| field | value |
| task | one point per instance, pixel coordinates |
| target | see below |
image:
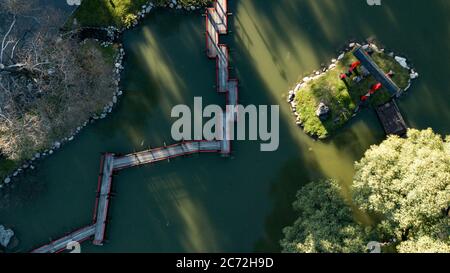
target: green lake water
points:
(237, 204)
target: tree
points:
(423, 244)
(406, 181)
(48, 85)
(325, 222)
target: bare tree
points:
(48, 85)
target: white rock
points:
(402, 61)
(70, 138)
(341, 56)
(291, 97)
(414, 75)
(7, 180)
(37, 155)
(407, 87)
(114, 99)
(5, 236)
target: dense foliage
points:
(403, 182)
(325, 222)
(407, 182)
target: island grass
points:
(101, 13)
(342, 99)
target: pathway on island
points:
(216, 23)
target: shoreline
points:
(115, 39)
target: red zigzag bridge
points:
(216, 23)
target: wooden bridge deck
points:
(220, 16)
(222, 69)
(233, 95)
(164, 153)
(391, 118)
(216, 23)
(62, 243)
(103, 199)
(212, 35)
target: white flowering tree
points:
(325, 222)
(406, 181)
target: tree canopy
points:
(407, 182)
(403, 182)
(424, 244)
(325, 222)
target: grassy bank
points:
(341, 98)
(100, 13)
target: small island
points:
(326, 101)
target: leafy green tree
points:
(424, 244)
(325, 222)
(406, 181)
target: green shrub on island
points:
(342, 97)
